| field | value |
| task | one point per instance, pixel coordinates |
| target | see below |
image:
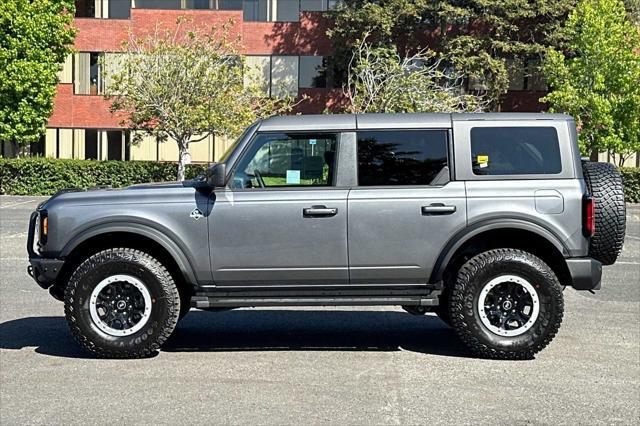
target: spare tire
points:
(605, 186)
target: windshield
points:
(232, 147)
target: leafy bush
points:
(631, 180)
(45, 176)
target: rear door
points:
(404, 208)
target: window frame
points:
(248, 147)
(450, 157)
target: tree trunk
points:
(183, 155)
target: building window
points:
(119, 9)
(229, 4)
(199, 4)
(158, 4)
(515, 71)
(313, 72)
(276, 75)
(115, 145)
(255, 10)
(88, 80)
(91, 144)
(535, 78)
(85, 8)
(36, 149)
(287, 10)
(115, 9)
(318, 5)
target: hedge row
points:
(45, 176)
(631, 180)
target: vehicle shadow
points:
(263, 330)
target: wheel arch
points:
(131, 236)
(512, 233)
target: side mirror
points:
(217, 175)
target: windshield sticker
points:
(483, 161)
(293, 177)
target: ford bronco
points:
(482, 219)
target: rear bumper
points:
(586, 273)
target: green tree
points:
(475, 37)
(597, 80)
(186, 85)
(35, 39)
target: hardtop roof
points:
(314, 122)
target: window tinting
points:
(403, 157)
(515, 151)
(230, 4)
(288, 160)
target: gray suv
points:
(480, 218)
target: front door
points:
(282, 222)
(404, 209)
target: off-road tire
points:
(464, 296)
(185, 303)
(161, 286)
(605, 185)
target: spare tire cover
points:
(605, 185)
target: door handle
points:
(437, 209)
(316, 211)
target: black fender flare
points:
(139, 228)
(461, 237)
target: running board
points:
(205, 302)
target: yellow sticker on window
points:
(483, 161)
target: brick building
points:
(285, 39)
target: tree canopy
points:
(186, 84)
(475, 37)
(35, 39)
(597, 79)
(380, 80)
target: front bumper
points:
(43, 270)
(586, 273)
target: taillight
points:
(588, 216)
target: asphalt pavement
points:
(317, 365)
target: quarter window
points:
(288, 160)
(405, 157)
(515, 151)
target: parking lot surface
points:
(317, 365)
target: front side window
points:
(401, 157)
(288, 160)
(515, 151)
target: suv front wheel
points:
(121, 303)
(506, 304)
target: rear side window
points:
(515, 151)
(402, 157)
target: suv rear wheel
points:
(506, 304)
(121, 303)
